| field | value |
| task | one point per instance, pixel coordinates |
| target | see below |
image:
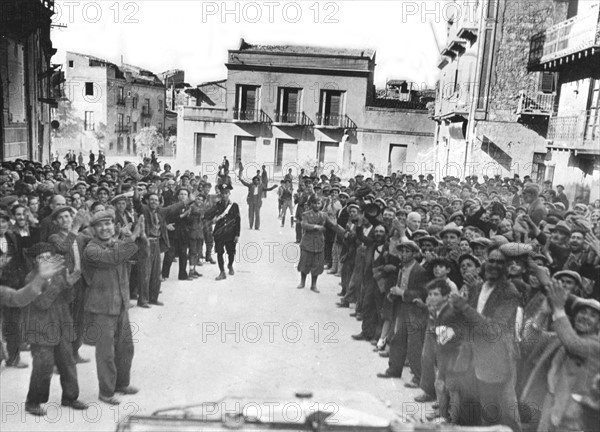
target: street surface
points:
(253, 334)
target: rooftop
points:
(138, 74)
(309, 50)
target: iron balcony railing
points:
(254, 116)
(291, 118)
(122, 128)
(567, 37)
(576, 130)
(335, 121)
(536, 104)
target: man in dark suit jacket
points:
(410, 319)
(491, 317)
(155, 219)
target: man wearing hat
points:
(107, 303)
(567, 365)
(410, 324)
(48, 328)
(70, 244)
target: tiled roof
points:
(303, 49)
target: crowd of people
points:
(76, 249)
(486, 289)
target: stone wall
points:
(518, 21)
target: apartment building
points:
(295, 106)
(25, 72)
(492, 109)
(114, 102)
(570, 52)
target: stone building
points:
(25, 74)
(112, 102)
(491, 111)
(296, 106)
(570, 51)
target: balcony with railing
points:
(565, 41)
(334, 121)
(122, 128)
(146, 111)
(283, 118)
(576, 131)
(121, 101)
(536, 104)
(250, 116)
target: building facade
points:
(112, 103)
(25, 73)
(492, 111)
(299, 107)
(570, 51)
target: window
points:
(134, 127)
(146, 124)
(331, 108)
(548, 82)
(71, 63)
(121, 96)
(89, 89)
(88, 124)
(159, 126)
(119, 144)
(135, 102)
(120, 121)
(128, 119)
(160, 104)
(134, 147)
(246, 102)
(288, 105)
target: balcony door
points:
(331, 107)
(592, 128)
(288, 105)
(246, 102)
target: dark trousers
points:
(220, 248)
(329, 240)
(149, 274)
(347, 267)
(427, 382)
(207, 230)
(298, 231)
(407, 342)
(371, 324)
(77, 313)
(114, 351)
(499, 403)
(181, 248)
(169, 256)
(11, 329)
(44, 359)
(254, 213)
(195, 251)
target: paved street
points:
(253, 334)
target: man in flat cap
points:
(107, 303)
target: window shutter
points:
(547, 82)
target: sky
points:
(194, 35)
